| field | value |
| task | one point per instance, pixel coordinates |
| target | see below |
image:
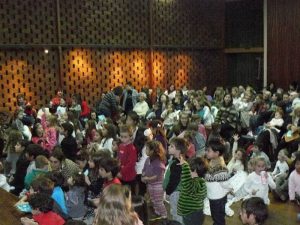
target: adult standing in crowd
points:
(109, 105)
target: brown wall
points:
(96, 45)
(283, 41)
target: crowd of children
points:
(197, 152)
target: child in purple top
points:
(152, 175)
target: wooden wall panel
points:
(91, 72)
(28, 22)
(106, 22)
(192, 68)
(32, 73)
(190, 23)
(283, 42)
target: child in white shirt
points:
(3, 182)
(258, 182)
(280, 175)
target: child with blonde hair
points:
(258, 182)
(115, 207)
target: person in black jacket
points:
(69, 144)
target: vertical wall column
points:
(265, 43)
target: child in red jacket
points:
(127, 155)
(42, 213)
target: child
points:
(22, 164)
(49, 124)
(3, 182)
(75, 197)
(253, 211)
(42, 213)
(152, 175)
(68, 144)
(12, 156)
(257, 152)
(193, 191)
(108, 170)
(57, 193)
(294, 181)
(171, 184)
(42, 167)
(258, 182)
(128, 156)
(238, 160)
(115, 207)
(108, 135)
(280, 175)
(217, 180)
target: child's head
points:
(157, 128)
(148, 134)
(115, 206)
(240, 154)
(198, 165)
(126, 133)
(21, 145)
(34, 150)
(259, 165)
(95, 159)
(282, 155)
(42, 184)
(51, 120)
(250, 165)
(178, 146)
(253, 211)
(82, 159)
(256, 148)
(215, 148)
(297, 162)
(279, 113)
(57, 178)
(97, 135)
(77, 180)
(155, 150)
(132, 119)
(67, 129)
(109, 130)
(109, 167)
(41, 162)
(40, 203)
(38, 130)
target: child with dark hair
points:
(127, 155)
(217, 180)
(108, 135)
(68, 144)
(42, 213)
(108, 170)
(153, 174)
(22, 164)
(193, 191)
(172, 178)
(254, 211)
(57, 193)
(75, 197)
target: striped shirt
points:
(192, 193)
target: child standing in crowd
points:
(75, 197)
(128, 156)
(217, 180)
(258, 182)
(254, 211)
(280, 175)
(294, 181)
(171, 184)
(153, 174)
(193, 191)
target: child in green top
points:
(193, 191)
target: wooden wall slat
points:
(283, 42)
